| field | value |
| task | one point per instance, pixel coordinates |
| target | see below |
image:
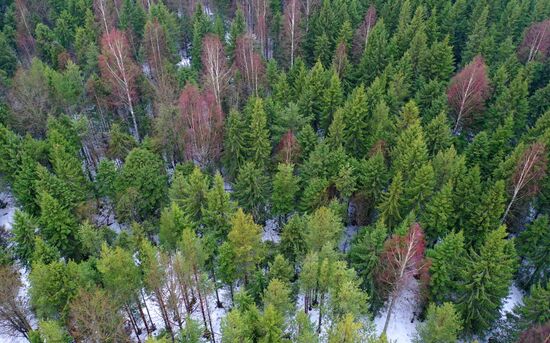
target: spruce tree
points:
(218, 210)
(532, 245)
(486, 279)
(438, 216)
(486, 217)
(172, 222)
(258, 143)
(438, 134)
(58, 226)
(336, 130)
(420, 188)
(293, 245)
(252, 190)
(285, 187)
(447, 262)
(234, 142)
(323, 228)
(442, 325)
(332, 99)
(375, 56)
(355, 122)
(391, 205)
(24, 232)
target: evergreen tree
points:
(487, 216)
(311, 99)
(252, 190)
(355, 122)
(438, 217)
(323, 228)
(234, 142)
(218, 210)
(280, 269)
(390, 207)
(24, 233)
(466, 196)
(143, 172)
(487, 277)
(438, 134)
(285, 187)
(365, 252)
(172, 222)
(442, 325)
(201, 26)
(447, 262)
(534, 309)
(277, 294)
(259, 146)
(532, 247)
(193, 192)
(58, 226)
(375, 56)
(332, 99)
(245, 240)
(420, 188)
(293, 245)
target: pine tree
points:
(24, 184)
(390, 207)
(280, 269)
(293, 245)
(285, 187)
(447, 262)
(58, 226)
(259, 146)
(323, 228)
(252, 190)
(487, 277)
(106, 179)
(277, 294)
(438, 216)
(245, 240)
(355, 122)
(311, 99)
(172, 222)
(442, 325)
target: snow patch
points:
(349, 232)
(402, 326)
(514, 298)
(271, 232)
(7, 212)
(185, 62)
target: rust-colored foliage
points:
(530, 170)
(215, 71)
(250, 64)
(119, 71)
(536, 42)
(288, 149)
(154, 40)
(361, 37)
(291, 33)
(202, 122)
(24, 38)
(401, 261)
(467, 92)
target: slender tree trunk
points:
(388, 316)
(133, 322)
(321, 300)
(200, 299)
(143, 317)
(218, 302)
(306, 302)
(164, 312)
(231, 292)
(153, 326)
(209, 318)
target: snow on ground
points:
(106, 217)
(515, 297)
(271, 232)
(185, 62)
(349, 232)
(402, 326)
(7, 213)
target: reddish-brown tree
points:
(202, 122)
(291, 33)
(215, 71)
(25, 40)
(120, 71)
(536, 42)
(467, 92)
(250, 64)
(361, 37)
(530, 170)
(401, 261)
(288, 149)
(340, 59)
(15, 311)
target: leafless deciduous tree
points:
(536, 42)
(361, 37)
(530, 170)
(215, 71)
(291, 29)
(250, 64)
(14, 309)
(401, 260)
(120, 72)
(202, 121)
(468, 91)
